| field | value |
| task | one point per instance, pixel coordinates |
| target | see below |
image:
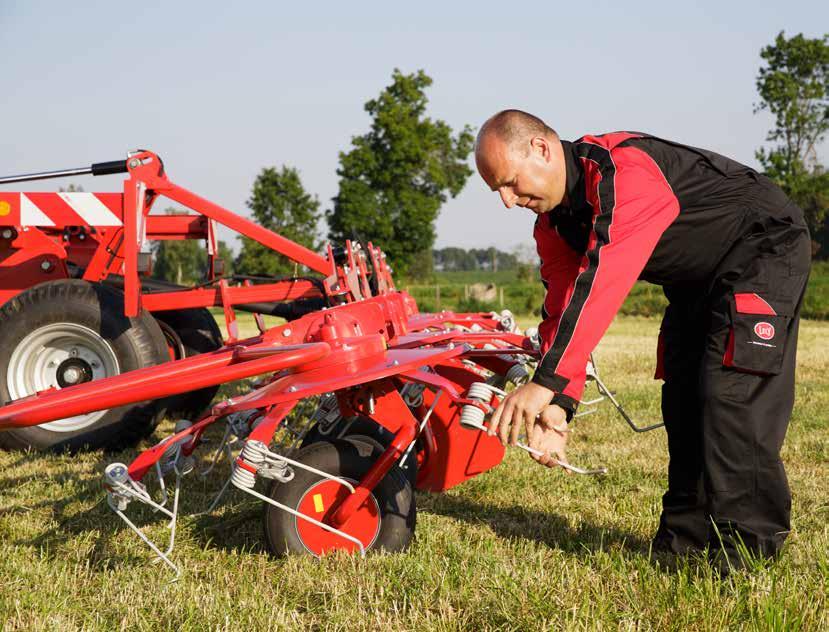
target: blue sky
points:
(222, 89)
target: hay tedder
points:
(93, 353)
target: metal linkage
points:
(122, 489)
(605, 393)
(592, 374)
(472, 416)
(327, 415)
(423, 423)
(256, 458)
(239, 426)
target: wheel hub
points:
(318, 502)
(73, 371)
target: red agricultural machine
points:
(93, 353)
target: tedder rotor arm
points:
(170, 378)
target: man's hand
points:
(518, 410)
(549, 435)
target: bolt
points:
(286, 333)
(134, 163)
(46, 266)
(395, 363)
(71, 375)
(74, 353)
(292, 389)
(7, 233)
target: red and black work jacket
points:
(636, 207)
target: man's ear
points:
(541, 146)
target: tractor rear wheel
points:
(386, 521)
(66, 332)
(190, 332)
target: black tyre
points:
(70, 331)
(190, 332)
(385, 522)
(365, 429)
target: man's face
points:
(530, 175)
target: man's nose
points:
(507, 198)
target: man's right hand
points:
(549, 435)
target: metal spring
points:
(517, 374)
(253, 453)
(472, 416)
(507, 321)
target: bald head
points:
(521, 157)
(513, 128)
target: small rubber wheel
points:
(365, 429)
(66, 332)
(190, 332)
(386, 521)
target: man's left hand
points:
(518, 410)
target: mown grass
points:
(518, 548)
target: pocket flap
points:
(753, 303)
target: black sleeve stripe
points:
(584, 282)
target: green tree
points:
(794, 88)
(181, 261)
(185, 261)
(396, 176)
(280, 203)
(226, 255)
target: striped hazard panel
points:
(61, 209)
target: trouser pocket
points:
(757, 337)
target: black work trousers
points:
(729, 347)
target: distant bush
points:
(525, 298)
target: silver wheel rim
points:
(36, 359)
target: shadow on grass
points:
(547, 528)
(82, 510)
(236, 524)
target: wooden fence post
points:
(501, 296)
(437, 297)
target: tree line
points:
(394, 178)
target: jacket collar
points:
(575, 178)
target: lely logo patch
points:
(764, 330)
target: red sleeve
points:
(633, 205)
(560, 266)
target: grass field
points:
(518, 548)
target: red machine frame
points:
(365, 349)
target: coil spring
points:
(517, 374)
(253, 453)
(471, 415)
(507, 321)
